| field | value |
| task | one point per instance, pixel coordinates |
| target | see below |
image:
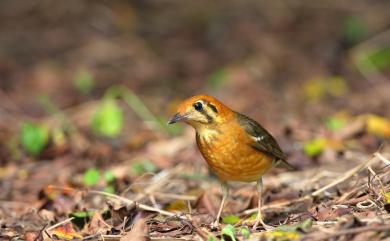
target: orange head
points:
(202, 111)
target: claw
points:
(265, 226)
(215, 225)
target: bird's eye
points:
(198, 106)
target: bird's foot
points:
(215, 225)
(264, 225)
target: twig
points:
(349, 231)
(353, 201)
(158, 181)
(346, 176)
(174, 196)
(131, 202)
(319, 191)
(123, 199)
(384, 159)
(111, 236)
(205, 234)
(278, 205)
(59, 224)
(378, 179)
(346, 195)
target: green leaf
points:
(252, 217)
(140, 168)
(108, 119)
(229, 231)
(387, 197)
(303, 226)
(34, 137)
(91, 177)
(314, 147)
(84, 82)
(231, 219)
(149, 166)
(245, 232)
(211, 238)
(58, 136)
(375, 59)
(335, 123)
(381, 58)
(109, 176)
(217, 78)
(290, 232)
(354, 29)
(137, 168)
(306, 224)
(278, 235)
(109, 189)
(82, 214)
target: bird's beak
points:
(176, 118)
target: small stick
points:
(319, 191)
(353, 201)
(384, 159)
(345, 176)
(174, 196)
(278, 205)
(123, 199)
(131, 202)
(158, 181)
(352, 231)
(59, 224)
(378, 179)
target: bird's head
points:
(201, 111)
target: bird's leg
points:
(259, 218)
(225, 193)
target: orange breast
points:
(229, 154)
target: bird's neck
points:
(208, 132)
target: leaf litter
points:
(86, 154)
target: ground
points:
(86, 89)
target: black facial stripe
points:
(212, 107)
(208, 117)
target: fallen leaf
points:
(139, 232)
(304, 226)
(245, 232)
(314, 147)
(231, 219)
(228, 231)
(96, 225)
(282, 235)
(108, 119)
(34, 137)
(377, 125)
(66, 232)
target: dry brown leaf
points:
(139, 232)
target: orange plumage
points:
(228, 157)
(235, 147)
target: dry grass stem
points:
(131, 202)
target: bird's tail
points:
(285, 164)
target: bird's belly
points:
(234, 161)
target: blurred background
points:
(87, 86)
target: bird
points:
(235, 147)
